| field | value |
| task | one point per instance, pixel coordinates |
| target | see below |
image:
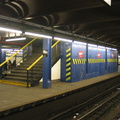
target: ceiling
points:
(89, 18)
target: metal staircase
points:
(20, 73)
(31, 77)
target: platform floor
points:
(12, 96)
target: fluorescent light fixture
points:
(9, 30)
(114, 49)
(17, 50)
(62, 39)
(38, 35)
(8, 54)
(102, 47)
(16, 39)
(5, 49)
(92, 45)
(12, 52)
(82, 43)
(108, 2)
(108, 48)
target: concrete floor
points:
(12, 96)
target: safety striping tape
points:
(68, 59)
(68, 78)
(112, 60)
(68, 74)
(68, 64)
(14, 83)
(68, 69)
(79, 61)
(96, 60)
(68, 50)
(69, 54)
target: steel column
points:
(47, 63)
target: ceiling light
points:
(82, 43)
(92, 45)
(38, 35)
(9, 30)
(62, 39)
(102, 47)
(114, 49)
(16, 39)
(108, 48)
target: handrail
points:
(55, 44)
(18, 52)
(41, 56)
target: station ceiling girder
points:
(92, 20)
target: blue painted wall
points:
(81, 61)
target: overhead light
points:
(17, 50)
(62, 39)
(38, 35)
(82, 43)
(92, 45)
(16, 39)
(114, 49)
(108, 2)
(9, 30)
(6, 49)
(102, 47)
(108, 48)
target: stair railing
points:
(17, 52)
(34, 71)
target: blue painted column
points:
(1, 60)
(87, 60)
(47, 62)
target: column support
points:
(47, 62)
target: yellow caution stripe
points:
(68, 50)
(112, 60)
(67, 60)
(68, 78)
(68, 69)
(68, 64)
(14, 83)
(79, 61)
(96, 60)
(68, 55)
(68, 74)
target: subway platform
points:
(16, 96)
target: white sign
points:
(108, 2)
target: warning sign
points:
(113, 56)
(81, 54)
(99, 55)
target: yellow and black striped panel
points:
(111, 60)
(79, 61)
(96, 60)
(68, 64)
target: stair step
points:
(17, 74)
(27, 65)
(15, 78)
(24, 68)
(25, 71)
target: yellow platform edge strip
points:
(13, 83)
